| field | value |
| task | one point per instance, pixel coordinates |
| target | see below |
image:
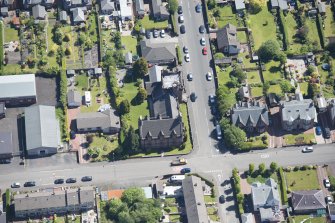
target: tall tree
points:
(251, 168)
(141, 95)
(269, 50)
(234, 137)
(124, 107)
(172, 6)
(140, 67)
(273, 166)
(239, 74)
(261, 168)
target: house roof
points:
(298, 108)
(194, 200)
(154, 53)
(321, 7)
(163, 104)
(250, 114)
(6, 143)
(265, 195)
(170, 80)
(107, 5)
(78, 15)
(74, 97)
(13, 86)
(139, 5)
(42, 126)
(247, 218)
(160, 127)
(321, 102)
(39, 11)
(283, 4)
(274, 3)
(227, 36)
(125, 9)
(331, 108)
(273, 98)
(308, 200)
(245, 92)
(239, 4)
(104, 119)
(98, 70)
(158, 8)
(114, 194)
(63, 16)
(128, 58)
(155, 73)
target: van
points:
(218, 132)
(176, 178)
(87, 98)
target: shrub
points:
(179, 55)
(296, 168)
(282, 185)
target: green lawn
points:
(313, 34)
(300, 218)
(175, 218)
(302, 180)
(11, 34)
(51, 46)
(212, 213)
(16, 69)
(107, 39)
(273, 71)
(299, 139)
(92, 25)
(81, 81)
(246, 60)
(209, 199)
(130, 43)
(304, 87)
(329, 29)
(104, 146)
(291, 26)
(151, 24)
(226, 16)
(253, 77)
(275, 89)
(223, 74)
(256, 91)
(242, 36)
(259, 178)
(263, 27)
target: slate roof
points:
(158, 8)
(107, 5)
(139, 6)
(247, 218)
(265, 195)
(21, 85)
(155, 73)
(308, 200)
(74, 97)
(42, 127)
(227, 36)
(249, 114)
(156, 127)
(63, 16)
(39, 11)
(239, 5)
(194, 200)
(78, 15)
(154, 53)
(105, 119)
(6, 143)
(164, 105)
(299, 108)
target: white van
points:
(176, 178)
(87, 98)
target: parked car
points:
(202, 41)
(193, 97)
(202, 29)
(198, 8)
(5, 161)
(163, 33)
(185, 170)
(211, 99)
(189, 76)
(182, 29)
(180, 9)
(148, 34)
(326, 182)
(204, 51)
(155, 33)
(29, 184)
(318, 130)
(209, 76)
(329, 199)
(181, 19)
(187, 58)
(185, 49)
(86, 178)
(308, 149)
(327, 133)
(15, 185)
(222, 199)
(71, 180)
(72, 134)
(59, 181)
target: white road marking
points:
(265, 156)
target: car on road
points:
(71, 180)
(162, 33)
(202, 29)
(86, 178)
(180, 9)
(155, 33)
(308, 149)
(326, 183)
(59, 181)
(187, 58)
(185, 170)
(202, 41)
(29, 184)
(182, 29)
(189, 76)
(329, 199)
(193, 97)
(72, 134)
(181, 19)
(318, 130)
(211, 99)
(327, 133)
(218, 132)
(15, 185)
(5, 161)
(198, 8)
(148, 34)
(222, 199)
(209, 76)
(185, 49)
(204, 51)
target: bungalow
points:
(139, 7)
(39, 12)
(227, 40)
(107, 7)
(162, 54)
(308, 201)
(74, 99)
(78, 16)
(159, 11)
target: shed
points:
(74, 98)
(98, 71)
(128, 58)
(63, 16)
(70, 73)
(321, 8)
(39, 12)
(239, 5)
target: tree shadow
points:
(274, 69)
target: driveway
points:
(322, 174)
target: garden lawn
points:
(302, 180)
(226, 16)
(213, 213)
(329, 22)
(306, 138)
(273, 71)
(246, 60)
(51, 46)
(242, 36)
(107, 39)
(105, 147)
(256, 91)
(174, 218)
(147, 23)
(11, 34)
(253, 77)
(92, 25)
(275, 89)
(16, 68)
(291, 27)
(209, 199)
(301, 218)
(223, 74)
(260, 31)
(260, 178)
(74, 58)
(130, 43)
(303, 88)
(313, 33)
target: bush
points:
(179, 55)
(296, 168)
(282, 185)
(174, 24)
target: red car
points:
(204, 51)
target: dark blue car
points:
(185, 170)
(318, 130)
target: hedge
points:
(237, 190)
(179, 56)
(99, 33)
(282, 185)
(1, 48)
(174, 24)
(283, 29)
(320, 30)
(112, 86)
(63, 105)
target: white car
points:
(308, 149)
(202, 41)
(162, 33)
(187, 58)
(326, 182)
(209, 76)
(15, 185)
(181, 19)
(329, 199)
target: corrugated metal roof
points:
(17, 86)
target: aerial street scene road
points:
(176, 111)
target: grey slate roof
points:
(158, 52)
(42, 127)
(155, 73)
(78, 15)
(17, 86)
(194, 200)
(63, 16)
(139, 6)
(308, 200)
(74, 97)
(157, 7)
(249, 114)
(265, 195)
(164, 105)
(227, 36)
(39, 11)
(6, 143)
(299, 108)
(156, 127)
(107, 5)
(239, 5)
(105, 119)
